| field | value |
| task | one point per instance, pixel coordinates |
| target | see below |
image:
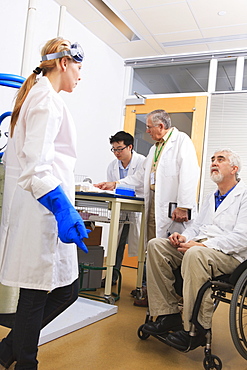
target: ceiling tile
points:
(164, 21)
(236, 44)
(137, 4)
(132, 49)
(206, 12)
(133, 20)
(81, 10)
(154, 44)
(106, 32)
(168, 18)
(119, 5)
(177, 36)
(223, 31)
(186, 49)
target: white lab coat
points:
(176, 181)
(40, 156)
(134, 217)
(225, 228)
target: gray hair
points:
(160, 116)
(234, 159)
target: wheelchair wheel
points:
(141, 334)
(212, 362)
(238, 315)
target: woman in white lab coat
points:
(39, 189)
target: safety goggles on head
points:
(75, 52)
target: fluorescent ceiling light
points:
(114, 19)
(204, 40)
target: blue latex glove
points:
(71, 228)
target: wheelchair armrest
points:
(237, 272)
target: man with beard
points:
(215, 244)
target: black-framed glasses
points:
(118, 150)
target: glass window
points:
(226, 75)
(182, 78)
(245, 75)
(142, 139)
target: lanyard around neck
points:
(157, 152)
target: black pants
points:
(36, 308)
(120, 249)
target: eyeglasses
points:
(150, 127)
(118, 150)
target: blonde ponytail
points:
(52, 46)
(21, 96)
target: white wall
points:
(97, 102)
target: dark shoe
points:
(143, 302)
(142, 291)
(164, 324)
(133, 293)
(103, 283)
(182, 340)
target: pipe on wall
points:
(61, 21)
(28, 41)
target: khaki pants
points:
(198, 265)
(151, 227)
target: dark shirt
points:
(219, 198)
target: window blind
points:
(227, 128)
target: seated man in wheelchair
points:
(215, 244)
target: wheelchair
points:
(231, 289)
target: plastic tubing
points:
(11, 80)
(17, 85)
(4, 115)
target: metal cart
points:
(106, 207)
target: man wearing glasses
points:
(127, 162)
(170, 176)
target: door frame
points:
(192, 104)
